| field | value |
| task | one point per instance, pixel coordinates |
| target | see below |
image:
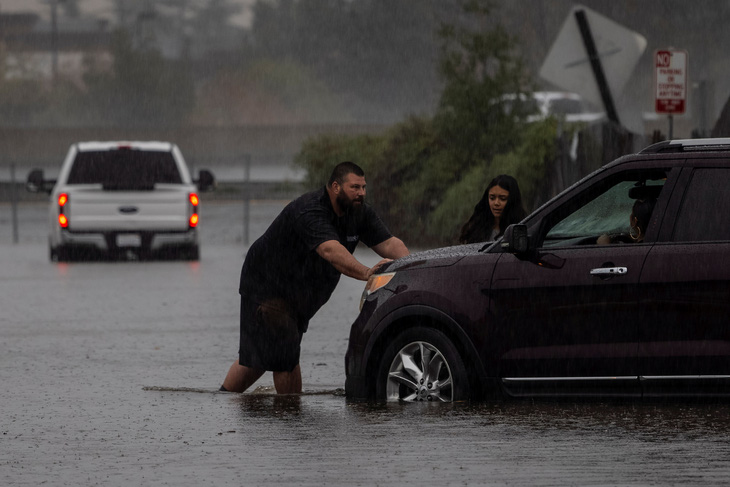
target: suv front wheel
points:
(422, 364)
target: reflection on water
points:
(274, 406)
(660, 419)
(326, 438)
(653, 421)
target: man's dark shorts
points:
(270, 335)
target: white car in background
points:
(114, 199)
(569, 107)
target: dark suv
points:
(549, 311)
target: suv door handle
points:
(609, 271)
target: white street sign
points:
(567, 64)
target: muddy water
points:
(110, 371)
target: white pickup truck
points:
(117, 199)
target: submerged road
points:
(110, 373)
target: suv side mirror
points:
(35, 182)
(515, 240)
(206, 180)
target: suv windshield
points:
(124, 169)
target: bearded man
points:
(293, 268)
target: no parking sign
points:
(670, 81)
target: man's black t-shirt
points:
(283, 262)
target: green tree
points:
(426, 174)
(480, 66)
(394, 162)
(411, 182)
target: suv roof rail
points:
(684, 145)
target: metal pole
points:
(671, 127)
(246, 198)
(595, 59)
(14, 203)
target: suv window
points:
(602, 210)
(705, 207)
(125, 169)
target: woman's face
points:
(498, 201)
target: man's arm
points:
(393, 248)
(336, 254)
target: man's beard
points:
(346, 204)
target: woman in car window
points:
(638, 221)
(500, 206)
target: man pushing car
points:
(292, 270)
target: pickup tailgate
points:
(95, 209)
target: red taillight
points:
(62, 217)
(193, 221)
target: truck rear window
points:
(124, 169)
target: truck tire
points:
(59, 254)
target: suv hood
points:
(440, 257)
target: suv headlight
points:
(375, 282)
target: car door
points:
(567, 317)
(685, 336)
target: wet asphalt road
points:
(109, 374)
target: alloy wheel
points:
(419, 372)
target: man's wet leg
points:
(288, 382)
(240, 377)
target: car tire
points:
(422, 364)
(193, 253)
(59, 254)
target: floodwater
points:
(110, 374)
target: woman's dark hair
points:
(479, 227)
(642, 210)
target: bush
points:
(413, 180)
(528, 164)
(400, 168)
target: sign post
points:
(670, 83)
